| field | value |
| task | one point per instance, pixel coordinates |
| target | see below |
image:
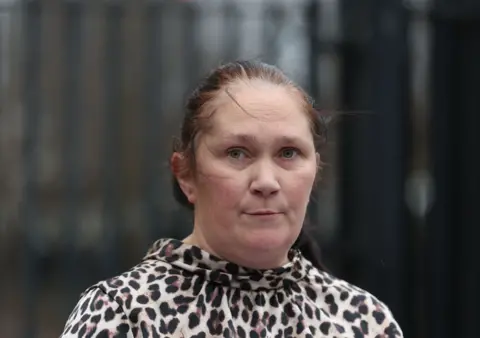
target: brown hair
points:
(196, 120)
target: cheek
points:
(221, 192)
(299, 187)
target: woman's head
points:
(246, 162)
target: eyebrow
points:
(248, 138)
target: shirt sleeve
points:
(97, 315)
(382, 322)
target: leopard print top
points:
(178, 290)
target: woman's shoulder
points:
(113, 303)
(353, 304)
(96, 313)
(142, 280)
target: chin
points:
(270, 239)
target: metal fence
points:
(95, 92)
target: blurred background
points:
(92, 91)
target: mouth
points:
(263, 213)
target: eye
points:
(289, 153)
(236, 153)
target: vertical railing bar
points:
(326, 93)
(3, 51)
(152, 119)
(72, 140)
(93, 96)
(192, 16)
(132, 116)
(191, 39)
(452, 107)
(113, 222)
(418, 178)
(385, 172)
(312, 16)
(33, 113)
(231, 35)
(273, 19)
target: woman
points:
(246, 164)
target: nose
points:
(265, 181)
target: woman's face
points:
(256, 166)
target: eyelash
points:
(244, 151)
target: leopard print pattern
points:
(181, 291)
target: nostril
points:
(265, 192)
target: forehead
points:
(256, 105)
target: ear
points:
(180, 169)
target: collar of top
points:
(192, 260)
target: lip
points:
(263, 213)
